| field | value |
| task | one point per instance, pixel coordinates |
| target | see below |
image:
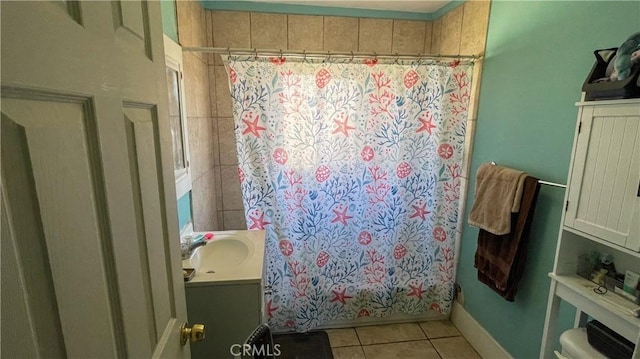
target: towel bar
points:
(553, 184)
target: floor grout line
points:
(427, 338)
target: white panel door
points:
(90, 260)
(603, 193)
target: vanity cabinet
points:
(226, 294)
(604, 192)
(602, 215)
(230, 313)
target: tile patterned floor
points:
(425, 340)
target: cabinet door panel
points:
(605, 174)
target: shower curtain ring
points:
(228, 53)
(304, 54)
(351, 57)
(397, 57)
(255, 53)
(280, 54)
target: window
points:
(177, 116)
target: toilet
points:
(576, 346)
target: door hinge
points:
(579, 126)
(566, 206)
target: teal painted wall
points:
(184, 210)
(537, 56)
(169, 21)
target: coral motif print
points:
(403, 170)
(278, 60)
(399, 251)
(252, 126)
(410, 79)
(367, 153)
(445, 151)
(353, 170)
(232, 76)
(364, 238)
(280, 155)
(322, 78)
(322, 173)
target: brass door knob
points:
(194, 333)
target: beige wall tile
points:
(201, 151)
(192, 27)
(231, 194)
(474, 27)
(340, 33)
(216, 174)
(375, 35)
(209, 31)
(408, 36)
(428, 33)
(268, 31)
(305, 32)
(234, 220)
(185, 22)
(199, 35)
(227, 142)
(190, 73)
(212, 90)
(224, 105)
(230, 29)
(451, 31)
(436, 33)
(196, 82)
(216, 141)
(204, 203)
(203, 101)
(221, 220)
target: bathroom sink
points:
(231, 256)
(221, 254)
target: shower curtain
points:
(353, 169)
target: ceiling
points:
(421, 6)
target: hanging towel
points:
(500, 258)
(497, 195)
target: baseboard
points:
(476, 335)
(392, 319)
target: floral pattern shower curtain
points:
(354, 171)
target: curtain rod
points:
(552, 184)
(320, 54)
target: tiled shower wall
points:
(192, 31)
(461, 31)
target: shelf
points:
(608, 102)
(601, 241)
(607, 308)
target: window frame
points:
(173, 60)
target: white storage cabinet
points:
(602, 213)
